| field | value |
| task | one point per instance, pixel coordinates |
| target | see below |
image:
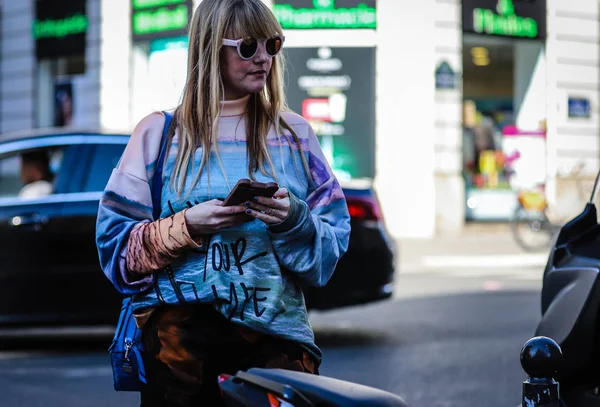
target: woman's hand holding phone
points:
(211, 217)
(271, 211)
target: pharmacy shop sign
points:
(60, 28)
(505, 18)
(317, 14)
(154, 19)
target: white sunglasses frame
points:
(237, 43)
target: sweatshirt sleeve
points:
(312, 247)
(153, 245)
(125, 223)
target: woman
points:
(219, 287)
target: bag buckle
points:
(128, 346)
(127, 366)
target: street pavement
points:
(451, 336)
(471, 262)
(463, 307)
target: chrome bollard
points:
(541, 358)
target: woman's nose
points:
(261, 55)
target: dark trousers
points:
(189, 346)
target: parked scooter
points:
(571, 306)
(284, 388)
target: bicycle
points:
(535, 224)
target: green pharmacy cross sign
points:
(314, 14)
(152, 19)
(506, 18)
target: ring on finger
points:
(270, 211)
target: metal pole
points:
(541, 358)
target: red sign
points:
(316, 109)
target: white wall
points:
(17, 66)
(530, 84)
(141, 86)
(449, 184)
(405, 159)
(573, 57)
(115, 52)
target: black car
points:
(49, 269)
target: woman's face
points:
(242, 77)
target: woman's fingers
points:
(268, 210)
(266, 218)
(229, 210)
(282, 204)
(281, 193)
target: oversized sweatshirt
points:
(251, 273)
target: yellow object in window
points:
(487, 162)
(493, 180)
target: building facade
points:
(451, 106)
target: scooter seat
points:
(330, 391)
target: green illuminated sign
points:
(162, 19)
(60, 28)
(324, 14)
(153, 19)
(140, 4)
(505, 22)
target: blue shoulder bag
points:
(126, 348)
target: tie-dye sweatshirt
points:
(250, 273)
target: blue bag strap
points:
(156, 187)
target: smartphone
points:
(246, 189)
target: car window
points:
(105, 158)
(10, 182)
(30, 174)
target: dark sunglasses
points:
(248, 48)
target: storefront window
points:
(503, 131)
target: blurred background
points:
(452, 107)
(465, 133)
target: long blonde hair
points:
(197, 115)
